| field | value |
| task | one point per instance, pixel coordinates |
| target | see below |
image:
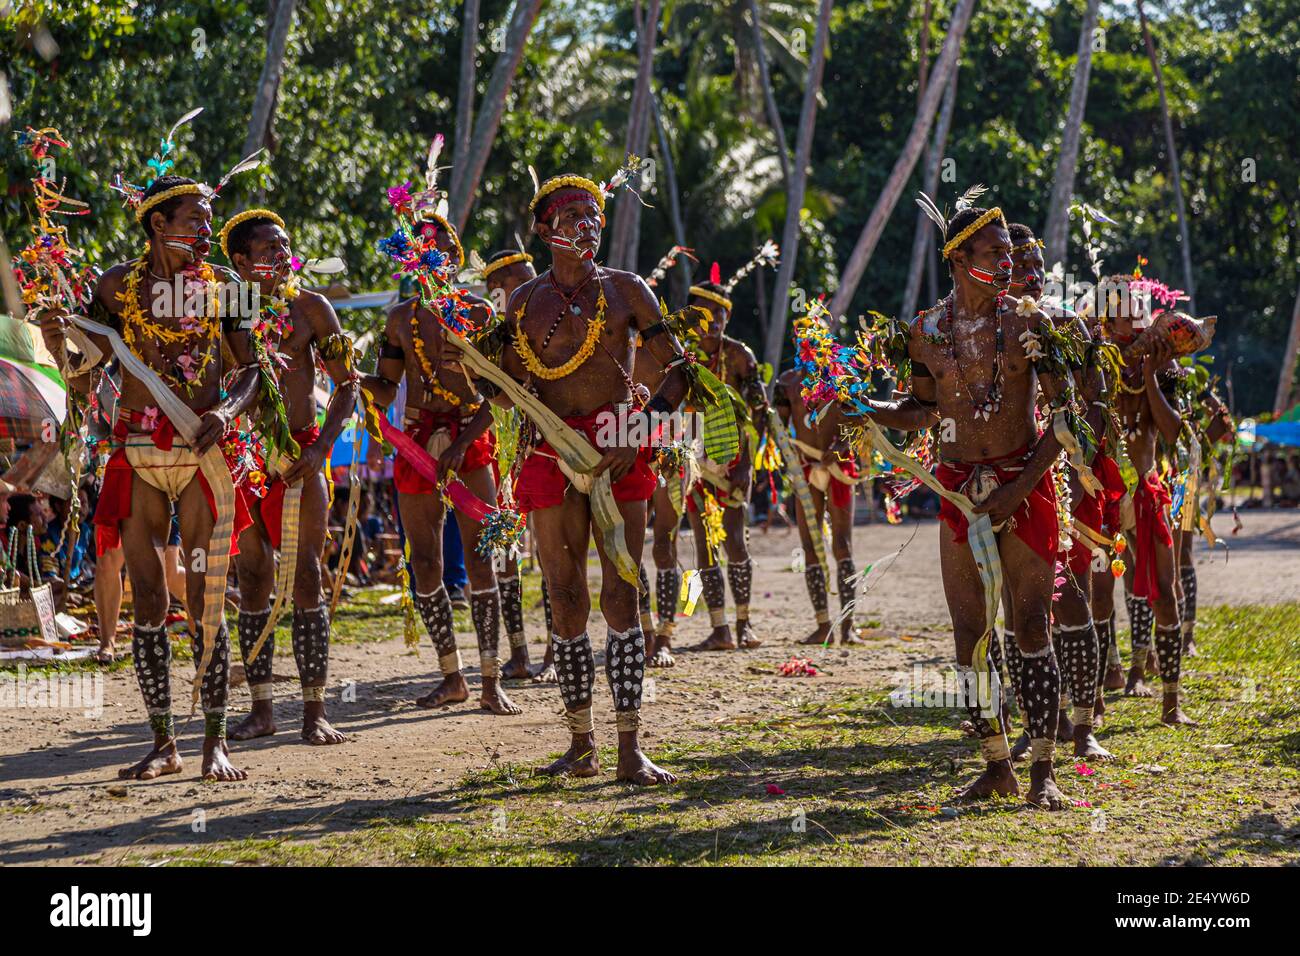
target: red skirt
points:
(1035, 519)
(115, 494)
(1150, 499)
(480, 454)
(841, 492)
(271, 505)
(541, 483)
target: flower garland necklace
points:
(585, 350)
(275, 316)
(193, 333)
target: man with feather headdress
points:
(296, 329)
(977, 362)
(441, 403)
(168, 318)
(719, 500)
(572, 337)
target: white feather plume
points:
(932, 211)
(251, 161)
(171, 133)
(967, 199)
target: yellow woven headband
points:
(1029, 245)
(185, 189)
(562, 182)
(247, 214)
(504, 262)
(711, 296)
(428, 215)
(989, 216)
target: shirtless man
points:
(970, 369)
(297, 328)
(728, 484)
(185, 350)
(504, 272)
(440, 402)
(573, 342)
(1146, 415)
(1073, 633)
(832, 472)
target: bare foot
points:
(216, 762)
(1172, 714)
(106, 654)
(850, 637)
(452, 690)
(517, 667)
(660, 651)
(819, 636)
(998, 779)
(635, 767)
(1135, 686)
(746, 636)
(1086, 746)
(1020, 747)
(162, 759)
(719, 640)
(316, 729)
(579, 760)
(1189, 647)
(546, 674)
(1114, 678)
(258, 723)
(494, 699)
(1064, 726)
(1043, 791)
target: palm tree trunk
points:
(922, 238)
(674, 200)
(464, 92)
(1282, 400)
(925, 115)
(494, 103)
(1056, 235)
(625, 234)
(277, 36)
(775, 338)
(769, 98)
(1174, 171)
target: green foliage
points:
(367, 84)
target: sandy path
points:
(57, 766)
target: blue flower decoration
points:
(395, 246)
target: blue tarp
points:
(1279, 433)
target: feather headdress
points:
(667, 262)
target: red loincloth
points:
(1035, 520)
(271, 505)
(115, 494)
(541, 483)
(1099, 512)
(480, 454)
(841, 492)
(1150, 500)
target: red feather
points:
(715, 274)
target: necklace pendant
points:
(575, 309)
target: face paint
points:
(980, 275)
(195, 246)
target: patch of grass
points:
(845, 779)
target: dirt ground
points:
(61, 801)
